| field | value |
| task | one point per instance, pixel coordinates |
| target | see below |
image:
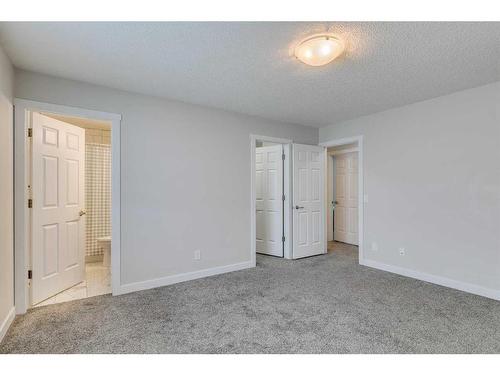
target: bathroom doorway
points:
(70, 219)
(72, 275)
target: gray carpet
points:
(324, 304)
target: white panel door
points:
(346, 198)
(58, 191)
(269, 200)
(308, 200)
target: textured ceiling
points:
(248, 68)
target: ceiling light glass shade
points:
(319, 50)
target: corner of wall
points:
(7, 310)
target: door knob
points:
(336, 202)
(82, 212)
(298, 207)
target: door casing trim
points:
(22, 159)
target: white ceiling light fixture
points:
(319, 49)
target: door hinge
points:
(30, 274)
(30, 203)
(30, 132)
(282, 156)
(283, 239)
(283, 197)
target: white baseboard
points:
(168, 280)
(4, 327)
(443, 281)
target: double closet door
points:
(307, 201)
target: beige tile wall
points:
(98, 136)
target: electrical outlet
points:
(374, 246)
(197, 254)
(402, 251)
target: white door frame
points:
(330, 190)
(361, 190)
(22, 165)
(287, 190)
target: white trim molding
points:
(22, 234)
(438, 280)
(5, 325)
(179, 278)
(361, 187)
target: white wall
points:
(185, 175)
(432, 177)
(6, 195)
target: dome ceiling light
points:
(319, 49)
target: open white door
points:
(308, 200)
(346, 198)
(58, 191)
(269, 200)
